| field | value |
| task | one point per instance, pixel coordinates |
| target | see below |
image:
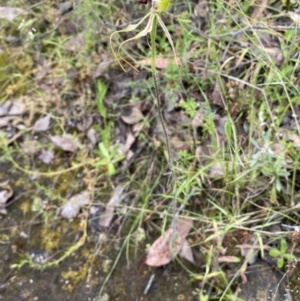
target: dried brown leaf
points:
(294, 16)
(75, 44)
(85, 123)
(129, 141)
(64, 7)
(198, 119)
(132, 117)
(107, 216)
(183, 226)
(66, 142)
(4, 108)
(4, 121)
(42, 124)
(161, 252)
(270, 45)
(102, 67)
(217, 94)
(10, 13)
(6, 193)
(93, 136)
(186, 252)
(161, 63)
(71, 208)
(295, 138)
(31, 147)
(46, 156)
(17, 108)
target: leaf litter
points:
(6, 193)
(72, 207)
(66, 142)
(163, 250)
(42, 124)
(107, 215)
(18, 115)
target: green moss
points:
(75, 276)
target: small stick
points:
(149, 284)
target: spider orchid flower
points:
(158, 6)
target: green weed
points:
(281, 254)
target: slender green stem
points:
(156, 91)
(161, 117)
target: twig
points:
(149, 284)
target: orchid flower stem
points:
(159, 104)
(161, 117)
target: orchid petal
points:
(129, 28)
(162, 24)
(144, 32)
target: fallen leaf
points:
(12, 108)
(270, 46)
(277, 148)
(183, 227)
(107, 216)
(75, 44)
(130, 139)
(217, 93)
(4, 121)
(4, 108)
(64, 7)
(17, 108)
(198, 119)
(71, 208)
(46, 156)
(31, 147)
(160, 62)
(93, 136)
(179, 143)
(217, 170)
(102, 67)
(221, 126)
(84, 124)
(295, 17)
(161, 252)
(6, 193)
(66, 142)
(295, 138)
(186, 252)
(42, 124)
(10, 13)
(133, 116)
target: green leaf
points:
(103, 150)
(111, 169)
(283, 246)
(289, 256)
(274, 252)
(101, 92)
(280, 262)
